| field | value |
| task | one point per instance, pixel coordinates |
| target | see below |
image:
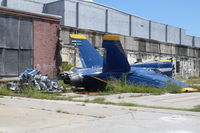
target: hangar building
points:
(142, 39)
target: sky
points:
(180, 13)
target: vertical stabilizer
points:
(115, 58)
(88, 54)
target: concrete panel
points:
(70, 13)
(91, 17)
(183, 34)
(118, 22)
(182, 51)
(130, 44)
(165, 49)
(197, 42)
(188, 40)
(56, 8)
(155, 47)
(191, 52)
(139, 27)
(173, 35)
(158, 31)
(25, 5)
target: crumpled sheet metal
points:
(34, 78)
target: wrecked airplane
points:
(98, 70)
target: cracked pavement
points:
(26, 115)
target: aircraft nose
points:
(65, 77)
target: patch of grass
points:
(120, 97)
(115, 86)
(60, 111)
(28, 91)
(6, 92)
(65, 66)
(99, 100)
(173, 89)
(61, 83)
(196, 109)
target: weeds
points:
(98, 100)
(60, 111)
(116, 86)
(28, 91)
(196, 109)
(65, 66)
(61, 83)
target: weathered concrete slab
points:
(20, 115)
(183, 100)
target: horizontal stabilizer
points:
(153, 79)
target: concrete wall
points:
(45, 45)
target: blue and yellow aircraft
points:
(98, 70)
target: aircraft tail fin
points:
(115, 58)
(89, 56)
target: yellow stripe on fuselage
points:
(111, 37)
(99, 79)
(77, 36)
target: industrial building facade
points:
(27, 40)
(143, 40)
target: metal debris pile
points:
(32, 77)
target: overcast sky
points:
(180, 13)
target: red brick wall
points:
(45, 42)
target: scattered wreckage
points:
(32, 77)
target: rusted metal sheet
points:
(16, 36)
